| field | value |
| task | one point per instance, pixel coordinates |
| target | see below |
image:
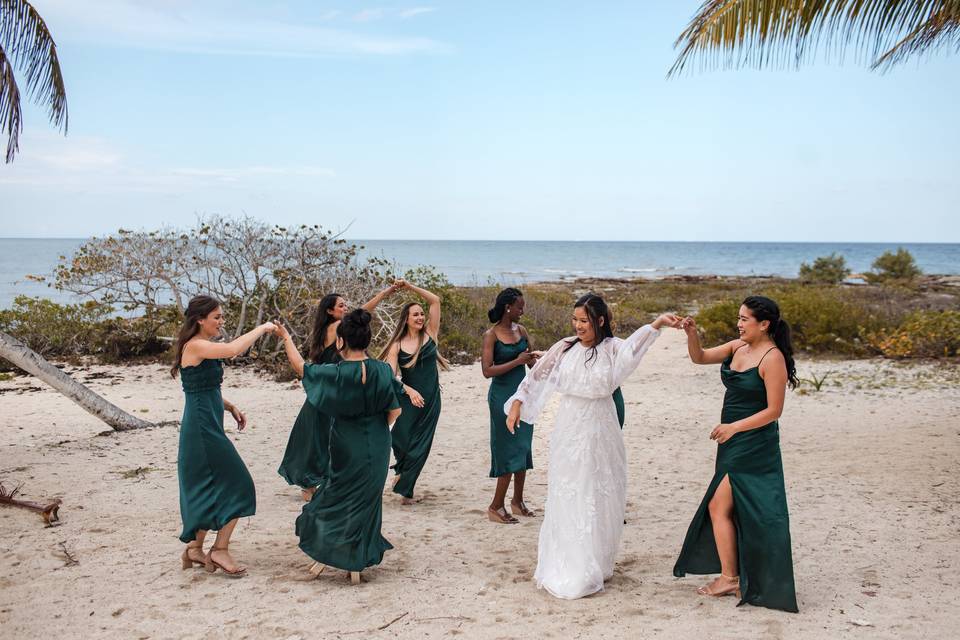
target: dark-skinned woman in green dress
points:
(413, 355)
(215, 487)
(306, 457)
(742, 529)
(505, 354)
(340, 526)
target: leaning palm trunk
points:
(32, 362)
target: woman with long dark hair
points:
(505, 355)
(742, 530)
(215, 487)
(340, 526)
(413, 354)
(587, 474)
(306, 457)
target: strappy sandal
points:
(520, 508)
(212, 565)
(500, 516)
(732, 589)
(187, 562)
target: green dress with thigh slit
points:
(413, 433)
(751, 459)
(306, 457)
(509, 452)
(215, 486)
(340, 526)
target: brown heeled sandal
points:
(500, 516)
(212, 565)
(187, 562)
(316, 569)
(732, 589)
(520, 508)
(354, 577)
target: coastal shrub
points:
(922, 334)
(897, 268)
(831, 269)
(52, 329)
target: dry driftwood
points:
(49, 512)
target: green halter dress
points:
(751, 459)
(509, 453)
(307, 455)
(413, 433)
(340, 526)
(215, 486)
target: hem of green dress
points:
(293, 483)
(185, 537)
(494, 474)
(333, 562)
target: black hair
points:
(354, 329)
(505, 297)
(321, 320)
(596, 309)
(764, 308)
(197, 309)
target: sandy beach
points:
(870, 462)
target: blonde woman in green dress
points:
(413, 355)
(215, 487)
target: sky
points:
(473, 120)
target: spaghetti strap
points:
(738, 348)
(764, 356)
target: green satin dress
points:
(621, 408)
(215, 486)
(413, 433)
(340, 526)
(752, 461)
(509, 452)
(307, 455)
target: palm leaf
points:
(759, 33)
(26, 44)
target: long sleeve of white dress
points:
(629, 352)
(539, 384)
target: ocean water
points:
(520, 262)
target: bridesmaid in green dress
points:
(306, 457)
(412, 353)
(742, 528)
(340, 526)
(505, 353)
(215, 487)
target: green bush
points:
(894, 268)
(53, 329)
(923, 334)
(831, 269)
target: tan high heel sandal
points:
(316, 569)
(212, 565)
(187, 562)
(354, 577)
(733, 589)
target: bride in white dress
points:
(587, 471)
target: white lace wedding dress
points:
(587, 471)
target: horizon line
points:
(501, 240)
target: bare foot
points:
(408, 501)
(307, 494)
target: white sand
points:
(871, 478)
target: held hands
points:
(513, 418)
(280, 331)
(689, 326)
(666, 320)
(723, 432)
(528, 358)
(268, 327)
(239, 416)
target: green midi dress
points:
(414, 430)
(751, 459)
(340, 526)
(215, 486)
(509, 452)
(306, 457)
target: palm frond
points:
(30, 48)
(11, 119)
(760, 33)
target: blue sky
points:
(533, 120)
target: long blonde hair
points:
(401, 331)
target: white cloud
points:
(223, 28)
(416, 11)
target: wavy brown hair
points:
(198, 308)
(321, 320)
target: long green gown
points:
(621, 408)
(752, 461)
(413, 433)
(215, 486)
(307, 454)
(340, 526)
(509, 452)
